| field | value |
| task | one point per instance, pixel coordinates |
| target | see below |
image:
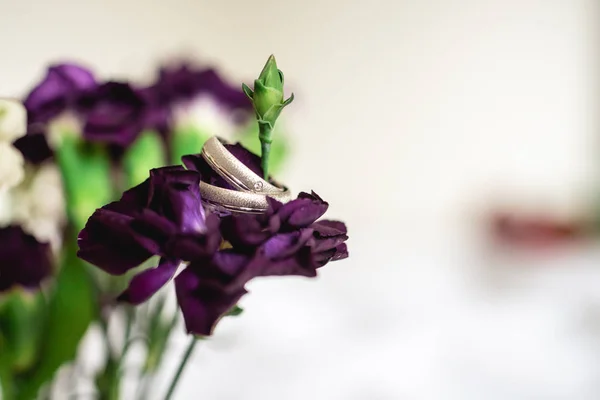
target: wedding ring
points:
(234, 171)
(234, 200)
(251, 191)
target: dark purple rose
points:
(158, 217)
(113, 113)
(59, 90)
(23, 260)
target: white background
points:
(411, 118)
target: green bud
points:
(267, 96)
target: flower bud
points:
(267, 96)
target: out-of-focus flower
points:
(162, 216)
(113, 113)
(38, 204)
(12, 126)
(34, 146)
(11, 166)
(521, 231)
(60, 89)
(23, 260)
(13, 120)
(183, 83)
(194, 104)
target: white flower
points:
(11, 166)
(39, 205)
(13, 120)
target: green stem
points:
(264, 135)
(182, 365)
(7, 389)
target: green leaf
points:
(145, 153)
(235, 311)
(187, 140)
(247, 91)
(71, 309)
(86, 172)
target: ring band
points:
(234, 200)
(234, 171)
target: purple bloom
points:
(208, 289)
(23, 260)
(160, 217)
(184, 83)
(59, 90)
(180, 85)
(164, 216)
(289, 236)
(113, 113)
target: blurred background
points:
(424, 124)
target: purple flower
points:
(162, 216)
(113, 113)
(208, 289)
(184, 83)
(59, 90)
(23, 260)
(289, 236)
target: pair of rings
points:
(251, 191)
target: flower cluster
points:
(115, 113)
(165, 217)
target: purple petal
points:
(23, 260)
(203, 301)
(284, 245)
(192, 247)
(299, 264)
(58, 90)
(175, 193)
(34, 147)
(302, 212)
(148, 282)
(108, 242)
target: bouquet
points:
(120, 199)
